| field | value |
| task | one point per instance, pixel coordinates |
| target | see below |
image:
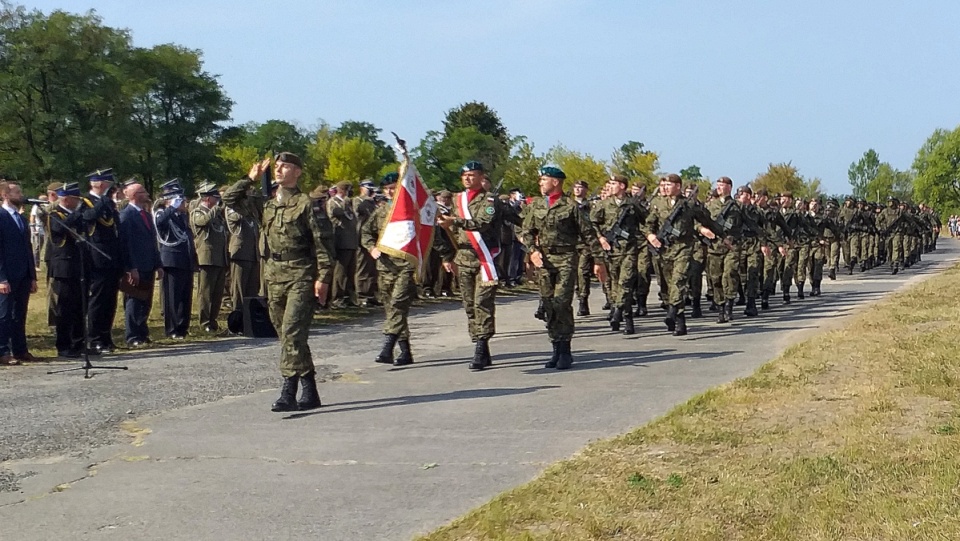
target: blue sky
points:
(729, 86)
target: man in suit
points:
(141, 261)
(102, 222)
(210, 234)
(178, 258)
(346, 240)
(18, 276)
(65, 270)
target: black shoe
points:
(405, 357)
(615, 318)
(564, 358)
(681, 329)
(729, 309)
(722, 315)
(209, 329)
(849, 270)
(800, 290)
(696, 311)
(93, 350)
(814, 289)
(487, 358)
(107, 348)
(832, 274)
(764, 301)
(751, 310)
(386, 354)
(896, 269)
(309, 397)
(552, 363)
(69, 354)
(713, 306)
(741, 301)
(371, 302)
(786, 298)
(671, 319)
(479, 362)
(135, 343)
(584, 308)
(606, 306)
(288, 395)
(641, 310)
(628, 327)
(541, 312)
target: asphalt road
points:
(183, 445)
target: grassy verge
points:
(854, 434)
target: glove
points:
(177, 202)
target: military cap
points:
(207, 188)
(69, 189)
(745, 189)
(849, 198)
(390, 179)
(344, 185)
(515, 190)
(130, 182)
(833, 201)
(445, 193)
(581, 183)
(54, 186)
(762, 192)
(104, 175)
(319, 192)
(620, 178)
(472, 166)
(171, 188)
(725, 180)
(672, 178)
(367, 183)
(552, 172)
(291, 158)
(786, 194)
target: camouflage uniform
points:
(723, 261)
(622, 258)
(395, 279)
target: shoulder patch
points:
(489, 210)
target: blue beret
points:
(472, 166)
(68, 189)
(554, 172)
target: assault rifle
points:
(617, 232)
(668, 230)
(723, 219)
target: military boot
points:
(584, 308)
(815, 288)
(288, 395)
(487, 358)
(386, 354)
(894, 268)
(606, 305)
(552, 363)
(405, 357)
(565, 358)
(850, 266)
(722, 313)
(765, 300)
(681, 329)
(751, 310)
(628, 323)
(641, 306)
(696, 311)
(671, 319)
(832, 274)
(729, 308)
(309, 397)
(541, 312)
(713, 306)
(615, 318)
(741, 299)
(800, 290)
(478, 362)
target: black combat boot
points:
(741, 299)
(722, 313)
(541, 312)
(713, 306)
(696, 311)
(386, 354)
(615, 318)
(729, 308)
(628, 323)
(405, 357)
(641, 306)
(565, 358)
(765, 300)
(850, 266)
(815, 288)
(309, 397)
(681, 329)
(894, 268)
(487, 358)
(800, 290)
(478, 362)
(751, 310)
(832, 274)
(606, 305)
(552, 363)
(288, 395)
(671, 319)
(584, 308)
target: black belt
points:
(558, 250)
(288, 256)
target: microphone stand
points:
(83, 243)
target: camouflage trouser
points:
(790, 262)
(833, 253)
(865, 246)
(695, 278)
(622, 270)
(855, 253)
(895, 253)
(771, 266)
(479, 302)
(723, 272)
(556, 290)
(397, 288)
(644, 272)
(751, 266)
(344, 276)
(584, 266)
(291, 307)
(804, 251)
(818, 256)
(872, 246)
(675, 267)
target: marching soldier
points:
(552, 227)
(102, 221)
(210, 236)
(832, 236)
(723, 259)
(617, 218)
(299, 256)
(178, 257)
(791, 249)
(476, 227)
(584, 256)
(751, 265)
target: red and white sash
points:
(488, 270)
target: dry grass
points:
(854, 434)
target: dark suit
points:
(139, 252)
(101, 220)
(179, 259)
(64, 271)
(17, 269)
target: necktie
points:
(19, 220)
(146, 221)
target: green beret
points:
(554, 172)
(471, 166)
(389, 179)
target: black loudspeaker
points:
(256, 318)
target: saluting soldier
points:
(299, 257)
(552, 227)
(102, 221)
(64, 269)
(178, 257)
(670, 228)
(210, 236)
(395, 276)
(345, 234)
(723, 258)
(243, 223)
(476, 227)
(617, 218)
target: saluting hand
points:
(257, 169)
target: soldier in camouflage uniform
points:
(774, 247)
(833, 237)
(751, 260)
(698, 263)
(644, 259)
(298, 252)
(891, 224)
(723, 258)
(670, 228)
(584, 256)
(476, 227)
(791, 250)
(552, 227)
(617, 218)
(395, 281)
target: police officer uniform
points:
(101, 221)
(178, 257)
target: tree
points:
(863, 171)
(784, 177)
(316, 158)
(479, 115)
(365, 131)
(691, 173)
(938, 171)
(236, 159)
(637, 164)
(439, 157)
(523, 168)
(276, 136)
(890, 182)
(578, 166)
(352, 160)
